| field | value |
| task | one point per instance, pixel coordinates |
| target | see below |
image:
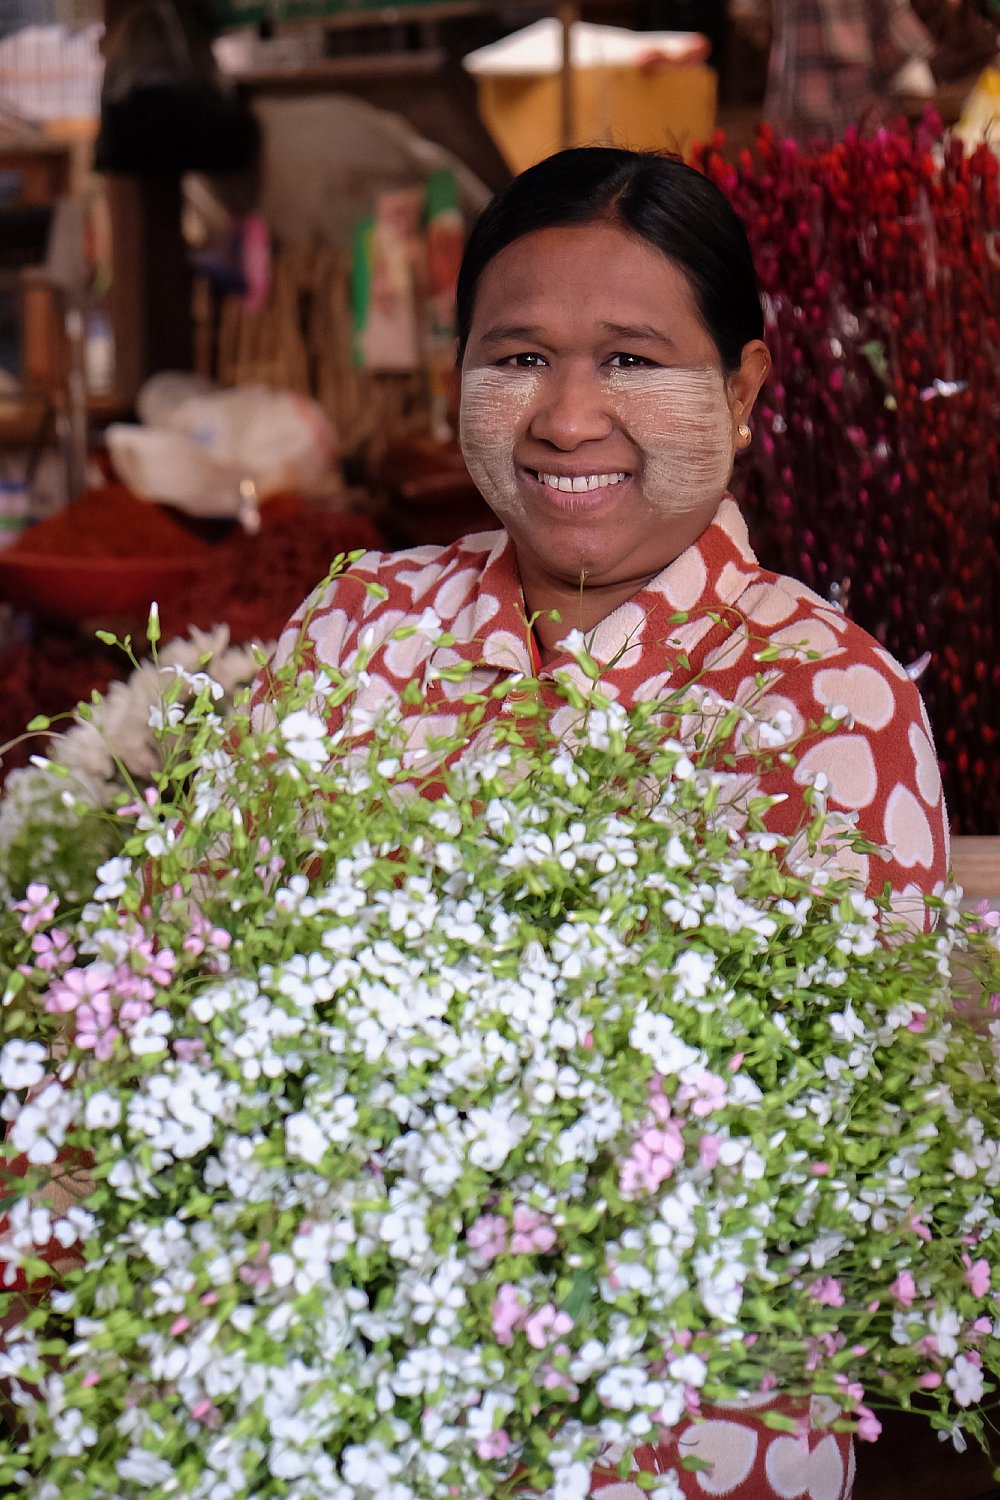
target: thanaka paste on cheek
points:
(493, 407)
(680, 422)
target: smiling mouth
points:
(578, 484)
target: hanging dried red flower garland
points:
(876, 472)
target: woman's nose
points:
(570, 409)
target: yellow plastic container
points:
(671, 108)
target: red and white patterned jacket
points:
(881, 764)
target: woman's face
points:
(595, 415)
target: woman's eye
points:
(630, 362)
(523, 361)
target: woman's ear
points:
(743, 387)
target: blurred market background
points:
(229, 232)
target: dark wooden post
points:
(150, 299)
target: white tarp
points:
(538, 49)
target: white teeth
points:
(581, 482)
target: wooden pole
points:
(150, 298)
(568, 13)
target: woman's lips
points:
(603, 489)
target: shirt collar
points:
(707, 577)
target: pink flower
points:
(930, 1381)
(53, 949)
(904, 1289)
(160, 963)
(977, 1276)
(38, 906)
(707, 1090)
(510, 1309)
(819, 1169)
(190, 1049)
(258, 1271)
(709, 1148)
(556, 1380)
(546, 1325)
(658, 1101)
(869, 1426)
(206, 1411)
(497, 1445)
(532, 1233)
(95, 1031)
(652, 1159)
(917, 1022)
(987, 917)
(488, 1237)
(201, 935)
(134, 1010)
(920, 1229)
(827, 1290)
(79, 987)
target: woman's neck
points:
(580, 607)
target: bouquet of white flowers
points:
(53, 826)
(431, 1145)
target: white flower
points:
(777, 731)
(167, 716)
(144, 1468)
(965, 1380)
(304, 1139)
(493, 1135)
(369, 1466)
(304, 734)
(694, 972)
(667, 1486)
(655, 1037)
(21, 1064)
(102, 1111)
(39, 1129)
(149, 1034)
(945, 1325)
(574, 644)
(74, 1435)
(571, 1482)
(112, 877)
(689, 1370)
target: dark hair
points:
(666, 203)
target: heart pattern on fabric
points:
(729, 1447)
(796, 1472)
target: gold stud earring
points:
(745, 433)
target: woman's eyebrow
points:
(504, 333)
(637, 331)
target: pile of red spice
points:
(255, 582)
(875, 471)
(110, 522)
(252, 585)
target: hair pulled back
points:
(658, 198)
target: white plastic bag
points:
(206, 443)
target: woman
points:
(611, 352)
